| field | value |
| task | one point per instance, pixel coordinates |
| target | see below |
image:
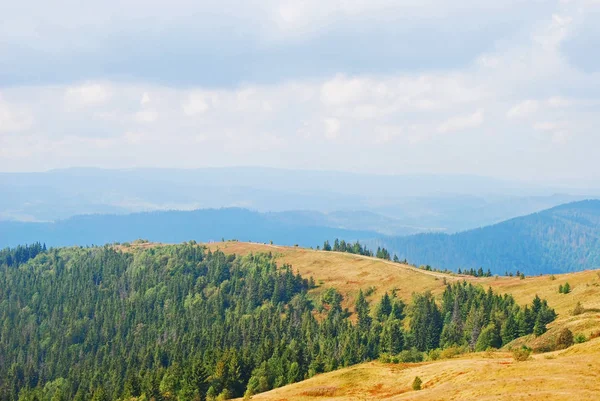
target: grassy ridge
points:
(560, 375)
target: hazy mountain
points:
(418, 203)
(173, 227)
(562, 239)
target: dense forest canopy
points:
(563, 239)
(183, 323)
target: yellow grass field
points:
(573, 374)
(349, 273)
(570, 375)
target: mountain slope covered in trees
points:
(562, 239)
(185, 323)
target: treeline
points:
(476, 272)
(358, 249)
(20, 254)
(183, 323)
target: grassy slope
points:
(563, 375)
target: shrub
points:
(521, 354)
(578, 310)
(564, 289)
(434, 354)
(580, 338)
(410, 355)
(370, 291)
(416, 385)
(565, 339)
(451, 352)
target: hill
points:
(178, 226)
(561, 375)
(188, 320)
(349, 273)
(563, 239)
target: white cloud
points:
(87, 94)
(13, 119)
(519, 92)
(146, 116)
(461, 123)
(558, 102)
(342, 90)
(196, 104)
(545, 126)
(523, 109)
(145, 99)
(134, 137)
(332, 128)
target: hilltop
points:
(562, 239)
(349, 273)
(559, 375)
(241, 317)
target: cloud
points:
(196, 104)
(87, 94)
(558, 102)
(146, 116)
(332, 128)
(232, 42)
(545, 126)
(13, 119)
(522, 109)
(461, 123)
(272, 95)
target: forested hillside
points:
(562, 239)
(184, 323)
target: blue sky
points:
(508, 88)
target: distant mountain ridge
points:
(175, 226)
(447, 203)
(562, 239)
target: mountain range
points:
(562, 239)
(565, 238)
(388, 204)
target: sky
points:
(508, 88)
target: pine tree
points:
(384, 308)
(362, 311)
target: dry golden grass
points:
(349, 273)
(346, 272)
(563, 375)
(571, 374)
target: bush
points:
(521, 354)
(580, 338)
(434, 354)
(416, 385)
(410, 355)
(451, 352)
(565, 339)
(578, 310)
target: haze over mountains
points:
(562, 239)
(389, 205)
